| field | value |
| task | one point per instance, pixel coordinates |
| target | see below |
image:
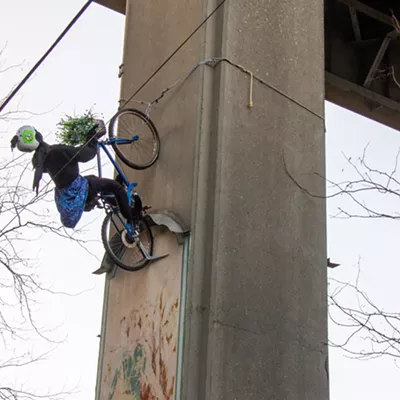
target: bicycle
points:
(133, 128)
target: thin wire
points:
(213, 62)
(129, 99)
(177, 82)
(175, 51)
(45, 55)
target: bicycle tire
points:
(117, 125)
(116, 249)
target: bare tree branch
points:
(22, 220)
(370, 331)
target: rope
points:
(45, 55)
(251, 90)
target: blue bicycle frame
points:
(130, 186)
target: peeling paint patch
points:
(132, 369)
(114, 384)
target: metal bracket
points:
(170, 220)
(120, 70)
(332, 264)
(107, 266)
(355, 23)
(377, 60)
(371, 12)
(148, 256)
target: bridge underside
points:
(362, 57)
(116, 5)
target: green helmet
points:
(26, 140)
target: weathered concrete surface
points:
(258, 282)
(256, 302)
(139, 360)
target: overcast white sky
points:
(83, 71)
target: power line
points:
(51, 48)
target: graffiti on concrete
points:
(132, 369)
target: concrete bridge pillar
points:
(239, 309)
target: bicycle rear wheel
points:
(144, 148)
(124, 252)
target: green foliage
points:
(73, 130)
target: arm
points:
(88, 150)
(83, 153)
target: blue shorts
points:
(71, 201)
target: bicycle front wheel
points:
(124, 252)
(142, 149)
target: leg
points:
(105, 185)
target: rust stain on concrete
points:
(154, 356)
(163, 376)
(171, 389)
(145, 392)
(108, 373)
